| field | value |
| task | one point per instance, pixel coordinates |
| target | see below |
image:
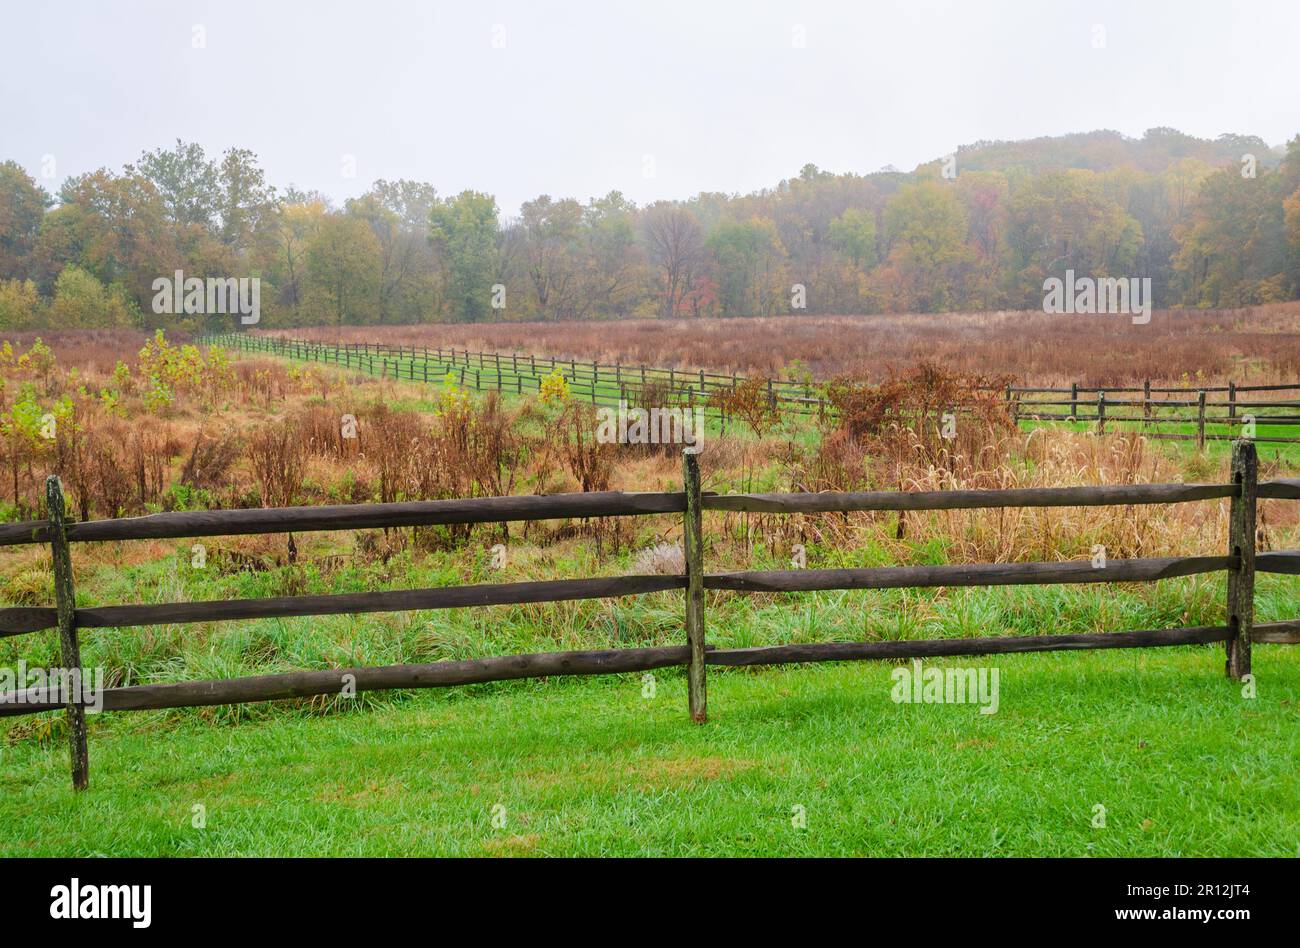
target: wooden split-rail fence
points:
(1211, 413)
(1239, 561)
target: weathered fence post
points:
(1101, 413)
(1232, 399)
(1074, 401)
(1241, 543)
(693, 547)
(1146, 401)
(70, 651)
(1200, 420)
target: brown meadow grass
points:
(1257, 345)
(272, 436)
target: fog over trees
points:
(1211, 223)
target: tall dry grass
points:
(1258, 344)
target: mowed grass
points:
(1284, 454)
(1183, 764)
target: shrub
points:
(554, 388)
(751, 402)
(20, 305)
(390, 442)
(589, 461)
(927, 416)
(278, 461)
(210, 460)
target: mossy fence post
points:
(70, 651)
(693, 548)
(1241, 544)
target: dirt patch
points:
(648, 773)
(350, 793)
(511, 845)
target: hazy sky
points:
(654, 98)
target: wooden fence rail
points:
(208, 523)
(1240, 562)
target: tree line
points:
(1211, 223)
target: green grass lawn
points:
(1284, 454)
(1182, 763)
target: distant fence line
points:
(519, 374)
(1240, 563)
(515, 373)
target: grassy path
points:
(1182, 763)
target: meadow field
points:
(612, 765)
(1258, 344)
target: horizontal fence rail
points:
(1283, 489)
(992, 645)
(308, 684)
(1279, 561)
(208, 523)
(979, 574)
(1240, 563)
(26, 619)
(1090, 496)
(22, 620)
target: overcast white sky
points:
(719, 93)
